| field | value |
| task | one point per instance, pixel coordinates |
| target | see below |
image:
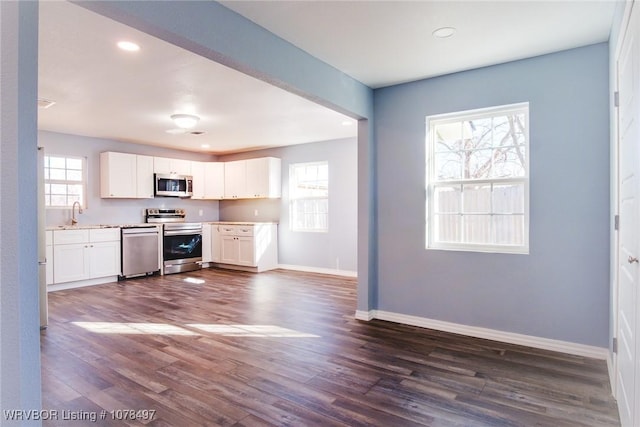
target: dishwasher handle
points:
(139, 231)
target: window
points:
(309, 196)
(64, 181)
(478, 180)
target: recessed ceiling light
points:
(443, 32)
(128, 46)
(205, 146)
(347, 123)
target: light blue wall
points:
(19, 299)
(561, 289)
(336, 249)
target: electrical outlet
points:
(255, 212)
(200, 212)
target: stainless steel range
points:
(182, 241)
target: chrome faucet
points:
(74, 221)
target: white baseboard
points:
(346, 273)
(490, 334)
(81, 283)
(364, 315)
(612, 374)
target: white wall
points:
(118, 211)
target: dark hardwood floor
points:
(281, 348)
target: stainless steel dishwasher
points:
(140, 250)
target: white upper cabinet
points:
(118, 175)
(214, 180)
(235, 179)
(197, 171)
(252, 178)
(263, 178)
(124, 175)
(208, 180)
(171, 166)
(144, 185)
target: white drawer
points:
(244, 230)
(104, 234)
(227, 230)
(67, 237)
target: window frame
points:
(431, 183)
(293, 200)
(83, 181)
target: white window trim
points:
(292, 199)
(430, 244)
(84, 181)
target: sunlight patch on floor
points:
(267, 331)
(134, 328)
(261, 331)
(194, 280)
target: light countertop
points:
(94, 226)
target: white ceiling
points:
(382, 43)
(103, 92)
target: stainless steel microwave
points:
(171, 185)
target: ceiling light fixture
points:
(185, 121)
(128, 46)
(347, 123)
(45, 103)
(443, 32)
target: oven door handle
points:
(182, 232)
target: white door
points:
(628, 250)
(206, 243)
(197, 172)
(235, 179)
(214, 180)
(144, 177)
(104, 259)
(229, 249)
(70, 262)
(246, 252)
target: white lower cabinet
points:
(104, 259)
(70, 263)
(216, 250)
(211, 243)
(251, 245)
(85, 254)
(229, 253)
(206, 242)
